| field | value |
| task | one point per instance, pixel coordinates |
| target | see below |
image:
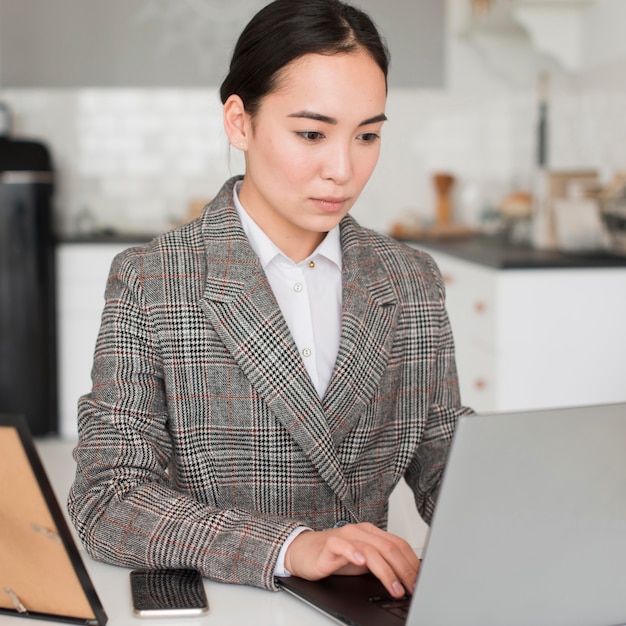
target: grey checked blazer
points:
(203, 442)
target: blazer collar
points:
(240, 304)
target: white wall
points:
(603, 34)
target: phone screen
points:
(168, 592)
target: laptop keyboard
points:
(396, 606)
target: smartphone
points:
(168, 593)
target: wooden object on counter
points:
(443, 185)
(444, 227)
(434, 232)
(517, 206)
(559, 182)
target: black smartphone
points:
(168, 593)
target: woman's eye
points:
(311, 135)
(369, 137)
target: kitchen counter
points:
(498, 253)
(107, 237)
(494, 252)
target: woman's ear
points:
(236, 122)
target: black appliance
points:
(28, 382)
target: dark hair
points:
(285, 30)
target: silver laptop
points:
(529, 529)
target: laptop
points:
(529, 529)
(42, 574)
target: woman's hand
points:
(354, 549)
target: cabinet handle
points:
(480, 307)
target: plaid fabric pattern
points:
(203, 442)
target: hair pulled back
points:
(285, 30)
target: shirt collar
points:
(267, 250)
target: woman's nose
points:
(337, 164)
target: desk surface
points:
(230, 605)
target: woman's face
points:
(312, 147)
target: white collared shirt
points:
(309, 295)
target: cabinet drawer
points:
(477, 371)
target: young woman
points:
(265, 375)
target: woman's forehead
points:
(332, 82)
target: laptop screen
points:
(529, 528)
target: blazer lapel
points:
(241, 307)
(368, 320)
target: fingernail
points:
(359, 557)
(398, 589)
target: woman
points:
(265, 375)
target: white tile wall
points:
(135, 159)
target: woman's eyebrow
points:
(374, 120)
(310, 115)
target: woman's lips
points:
(330, 204)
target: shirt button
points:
(306, 352)
(298, 287)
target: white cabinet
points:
(82, 271)
(536, 338)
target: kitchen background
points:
(124, 94)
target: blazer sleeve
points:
(122, 501)
(425, 471)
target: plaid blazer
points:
(203, 442)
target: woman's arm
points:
(426, 468)
(122, 502)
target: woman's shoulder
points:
(409, 272)
(390, 249)
(181, 246)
